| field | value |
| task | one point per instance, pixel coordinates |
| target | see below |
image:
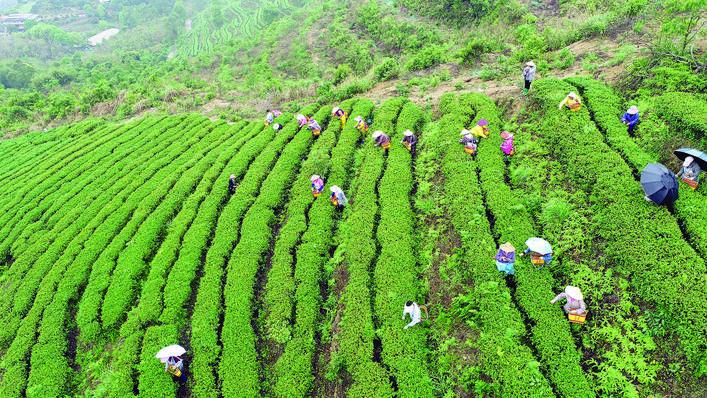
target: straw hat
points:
(335, 189)
(633, 110)
(572, 94)
(688, 161)
(483, 122)
(465, 132)
(408, 133)
(507, 247)
(314, 178)
(530, 63)
(358, 119)
(232, 176)
(334, 110)
(377, 134)
(574, 292)
(506, 135)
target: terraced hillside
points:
(119, 239)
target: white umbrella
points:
(170, 351)
(539, 245)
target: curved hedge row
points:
(355, 339)
(684, 112)
(207, 309)
(396, 275)
(239, 367)
(95, 241)
(606, 110)
(630, 228)
(550, 332)
(503, 355)
(293, 369)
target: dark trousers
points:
(631, 127)
(527, 84)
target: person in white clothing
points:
(415, 312)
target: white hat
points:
(688, 161)
(574, 292)
(334, 110)
(408, 133)
(465, 132)
(530, 63)
(633, 110)
(572, 94)
(314, 178)
(377, 134)
(358, 119)
(335, 189)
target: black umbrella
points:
(659, 184)
(700, 157)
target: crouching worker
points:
(361, 125)
(317, 185)
(410, 141)
(506, 258)
(232, 184)
(481, 130)
(631, 118)
(572, 102)
(690, 172)
(277, 127)
(340, 114)
(302, 120)
(575, 308)
(507, 146)
(175, 367)
(337, 198)
(315, 128)
(469, 141)
(415, 312)
(271, 115)
(381, 139)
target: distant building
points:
(16, 21)
(101, 37)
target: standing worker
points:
(337, 197)
(469, 141)
(572, 102)
(317, 185)
(341, 114)
(528, 75)
(415, 312)
(314, 127)
(575, 308)
(481, 130)
(381, 139)
(507, 146)
(232, 184)
(630, 118)
(410, 141)
(506, 258)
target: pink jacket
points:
(507, 146)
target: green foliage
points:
(474, 50)
(342, 72)
(426, 58)
(387, 69)
(563, 59)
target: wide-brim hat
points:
(314, 178)
(574, 292)
(633, 110)
(334, 110)
(507, 247)
(530, 63)
(572, 94)
(688, 161)
(408, 133)
(358, 119)
(483, 122)
(334, 188)
(465, 132)
(506, 135)
(377, 134)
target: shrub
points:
(342, 72)
(563, 59)
(426, 58)
(387, 69)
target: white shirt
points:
(415, 315)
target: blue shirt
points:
(632, 120)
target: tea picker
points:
(415, 312)
(575, 308)
(317, 185)
(540, 252)
(410, 141)
(302, 120)
(337, 198)
(382, 140)
(315, 128)
(340, 114)
(507, 146)
(694, 162)
(481, 130)
(572, 102)
(232, 184)
(469, 141)
(173, 363)
(630, 118)
(506, 258)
